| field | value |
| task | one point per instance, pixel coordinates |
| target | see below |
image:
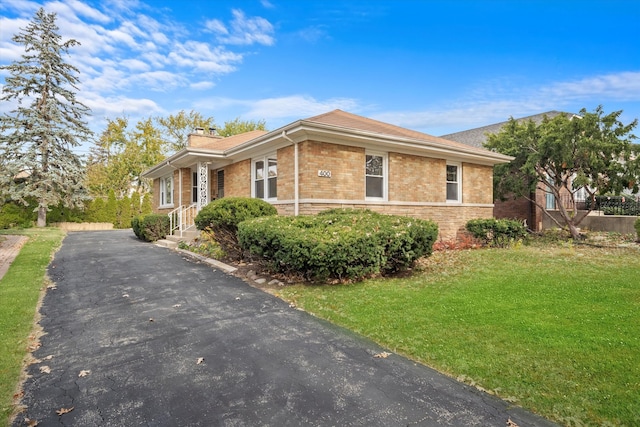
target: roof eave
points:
(183, 158)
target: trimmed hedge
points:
(222, 217)
(339, 243)
(497, 232)
(13, 214)
(151, 227)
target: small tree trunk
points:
(575, 232)
(42, 216)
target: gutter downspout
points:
(296, 207)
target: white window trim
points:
(264, 159)
(385, 175)
(459, 181)
(163, 191)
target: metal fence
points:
(604, 205)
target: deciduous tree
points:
(176, 128)
(47, 122)
(590, 153)
(237, 126)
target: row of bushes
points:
(151, 227)
(338, 244)
(497, 232)
(335, 244)
(118, 212)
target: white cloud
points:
(216, 26)
(244, 30)
(103, 107)
(203, 85)
(278, 110)
(624, 86)
(267, 4)
(493, 104)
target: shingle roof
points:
(478, 136)
(353, 121)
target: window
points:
(166, 191)
(375, 168)
(265, 178)
(453, 183)
(194, 187)
(220, 184)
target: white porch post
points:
(203, 184)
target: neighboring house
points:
(519, 208)
(337, 159)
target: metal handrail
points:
(182, 218)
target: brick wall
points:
(186, 188)
(416, 178)
(345, 163)
(477, 183)
(237, 179)
(451, 220)
(286, 168)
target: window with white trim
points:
(166, 191)
(265, 178)
(454, 191)
(375, 173)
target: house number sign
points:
(324, 174)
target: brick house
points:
(336, 159)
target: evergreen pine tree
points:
(124, 212)
(37, 137)
(111, 208)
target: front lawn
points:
(554, 329)
(20, 290)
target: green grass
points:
(555, 330)
(19, 293)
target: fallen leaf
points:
(125, 295)
(511, 423)
(84, 373)
(30, 423)
(19, 395)
(237, 298)
(151, 319)
(49, 357)
(45, 369)
(52, 286)
(200, 360)
(63, 411)
(382, 355)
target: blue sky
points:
(436, 66)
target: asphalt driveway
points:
(139, 335)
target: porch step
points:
(167, 243)
(187, 236)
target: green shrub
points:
(13, 215)
(62, 213)
(497, 232)
(136, 225)
(124, 214)
(338, 244)
(636, 225)
(222, 217)
(150, 227)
